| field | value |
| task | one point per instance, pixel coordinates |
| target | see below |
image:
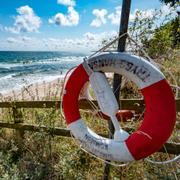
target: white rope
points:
(177, 87)
(107, 45)
(176, 159)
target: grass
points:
(43, 156)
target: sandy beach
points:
(35, 92)
(46, 90)
(42, 91)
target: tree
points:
(164, 40)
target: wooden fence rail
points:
(20, 126)
(132, 104)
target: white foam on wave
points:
(6, 77)
(16, 84)
(58, 60)
(14, 81)
(9, 66)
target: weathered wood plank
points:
(171, 148)
(132, 104)
(30, 104)
(35, 128)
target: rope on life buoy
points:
(159, 118)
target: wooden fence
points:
(20, 126)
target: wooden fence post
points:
(19, 133)
(126, 4)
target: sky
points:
(63, 25)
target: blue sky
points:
(61, 24)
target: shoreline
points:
(45, 90)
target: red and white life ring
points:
(159, 117)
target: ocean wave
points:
(9, 66)
(21, 69)
(58, 60)
(6, 77)
(51, 61)
(17, 83)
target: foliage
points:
(158, 34)
(164, 40)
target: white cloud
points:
(94, 40)
(66, 2)
(86, 43)
(160, 14)
(51, 20)
(115, 17)
(90, 36)
(97, 37)
(142, 14)
(12, 40)
(100, 17)
(167, 10)
(26, 21)
(19, 39)
(71, 19)
(26, 39)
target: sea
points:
(18, 69)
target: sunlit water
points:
(18, 69)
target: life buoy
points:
(159, 117)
